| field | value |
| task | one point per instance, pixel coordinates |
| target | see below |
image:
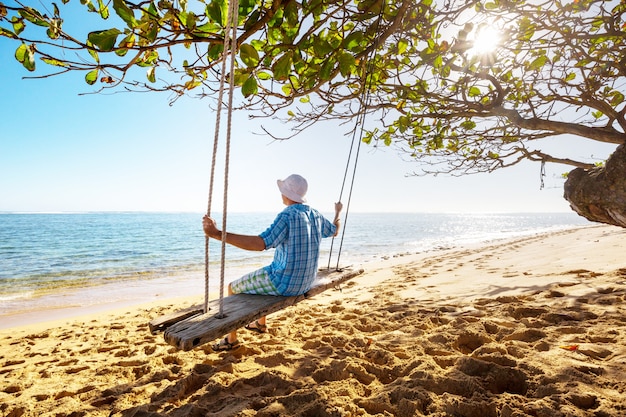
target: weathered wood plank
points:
(163, 322)
(241, 309)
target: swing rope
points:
(230, 40)
(365, 95)
(343, 184)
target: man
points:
(296, 234)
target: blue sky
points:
(62, 151)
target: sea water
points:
(58, 260)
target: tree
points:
(412, 67)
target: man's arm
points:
(247, 242)
(337, 221)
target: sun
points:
(486, 40)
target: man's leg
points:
(232, 336)
(256, 282)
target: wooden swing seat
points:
(190, 328)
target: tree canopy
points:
(413, 68)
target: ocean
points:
(52, 261)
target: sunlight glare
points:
(486, 40)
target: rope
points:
(228, 49)
(233, 17)
(365, 94)
(360, 120)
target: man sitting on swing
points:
(296, 234)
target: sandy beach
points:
(529, 327)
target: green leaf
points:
(249, 87)
(365, 5)
(438, 62)
(148, 58)
(327, 69)
(617, 98)
(91, 77)
(246, 7)
(163, 4)
(191, 84)
(33, 16)
(20, 52)
(104, 40)
(538, 63)
(474, 92)
(282, 66)
(217, 10)
(252, 19)
(54, 62)
(387, 139)
(7, 33)
(190, 20)
(321, 47)
(526, 29)
(249, 55)
(18, 26)
(571, 76)
(262, 75)
(104, 10)
(152, 10)
(240, 77)
(207, 30)
(291, 13)
(92, 51)
(54, 28)
(151, 74)
(151, 31)
(295, 81)
(276, 20)
(24, 54)
(353, 41)
(215, 50)
(90, 6)
(402, 46)
(346, 64)
(125, 13)
(127, 42)
(468, 124)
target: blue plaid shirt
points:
(296, 234)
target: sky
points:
(65, 151)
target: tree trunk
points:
(599, 194)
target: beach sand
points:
(530, 327)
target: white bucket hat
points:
(293, 187)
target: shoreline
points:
(72, 303)
(105, 251)
(527, 326)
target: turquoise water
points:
(48, 260)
